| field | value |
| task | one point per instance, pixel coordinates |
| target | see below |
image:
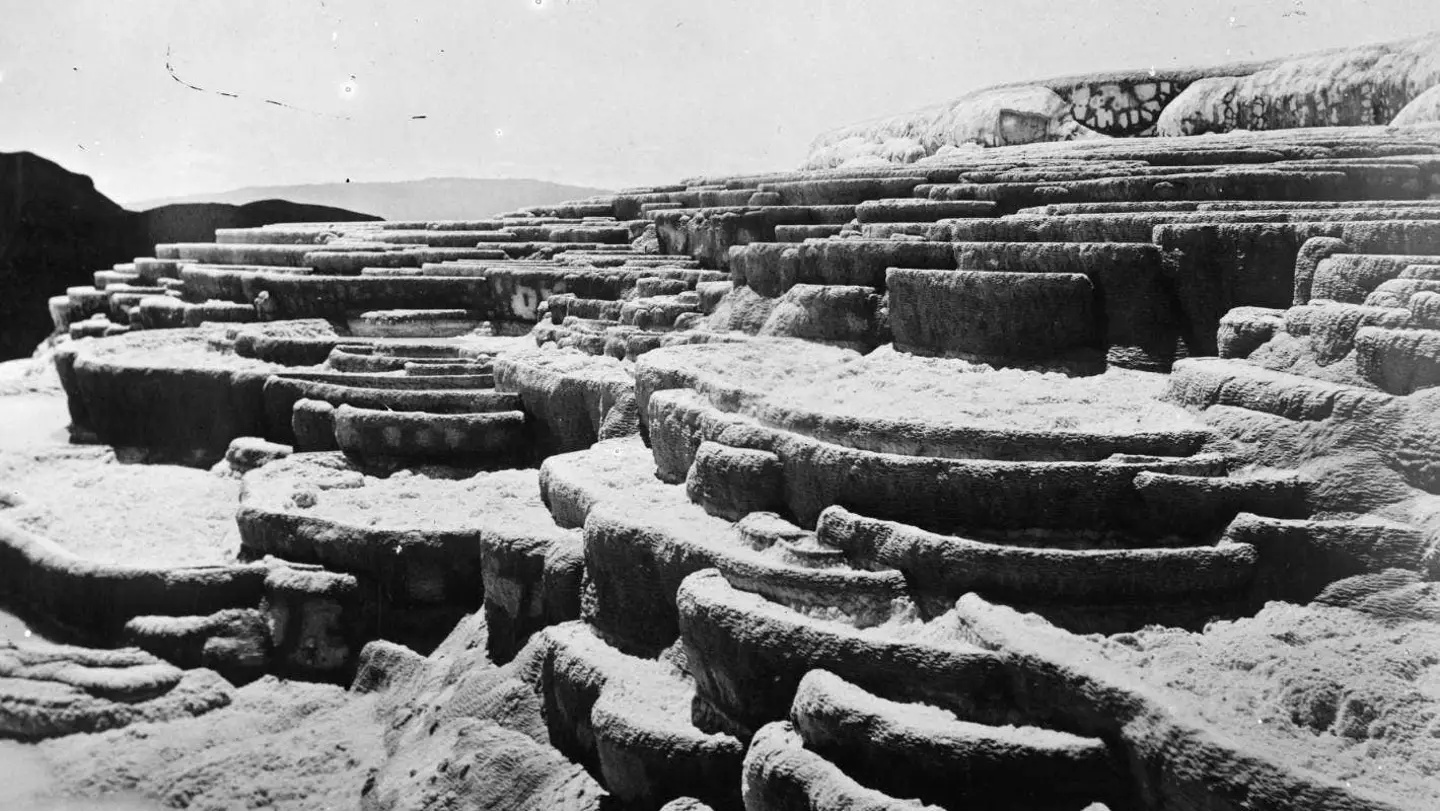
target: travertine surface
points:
(1101, 471)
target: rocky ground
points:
(406, 499)
(1347, 692)
(29, 396)
(277, 745)
(929, 391)
(30, 784)
(84, 497)
(282, 745)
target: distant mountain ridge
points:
(437, 198)
(196, 222)
(56, 230)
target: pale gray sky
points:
(597, 92)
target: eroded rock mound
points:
(1347, 88)
(1358, 86)
(1423, 109)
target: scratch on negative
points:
(170, 68)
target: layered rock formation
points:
(1360, 86)
(977, 482)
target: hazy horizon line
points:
(161, 200)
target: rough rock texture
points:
(1070, 681)
(992, 317)
(1352, 87)
(144, 391)
(998, 117)
(893, 402)
(1357, 86)
(459, 730)
(187, 518)
(1341, 690)
(278, 744)
(782, 775)
(1245, 329)
(568, 393)
(914, 750)
(896, 483)
(48, 691)
(1131, 311)
(493, 544)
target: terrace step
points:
(1298, 558)
(912, 210)
(1094, 588)
(772, 268)
(708, 234)
(782, 774)
(105, 278)
(802, 233)
(628, 720)
(1247, 184)
(151, 271)
(414, 323)
(913, 750)
(493, 440)
(995, 317)
(237, 254)
(841, 191)
(1206, 382)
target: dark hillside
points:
(56, 230)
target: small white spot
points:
(27, 633)
(499, 133)
(349, 89)
(334, 35)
